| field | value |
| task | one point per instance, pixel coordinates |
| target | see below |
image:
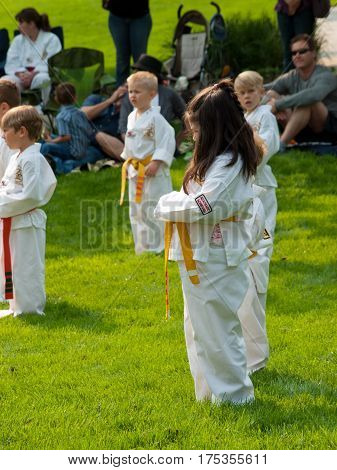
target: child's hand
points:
(272, 104)
(152, 168)
(46, 135)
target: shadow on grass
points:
(291, 400)
(64, 315)
(313, 406)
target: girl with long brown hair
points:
(208, 237)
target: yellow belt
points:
(187, 251)
(138, 165)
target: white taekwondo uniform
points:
(264, 123)
(252, 311)
(215, 344)
(27, 184)
(5, 156)
(149, 134)
(23, 53)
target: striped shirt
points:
(71, 121)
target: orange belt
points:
(139, 165)
(6, 231)
(187, 251)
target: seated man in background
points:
(77, 140)
(103, 112)
(172, 106)
(306, 97)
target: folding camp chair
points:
(4, 45)
(82, 67)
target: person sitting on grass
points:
(28, 183)
(77, 140)
(304, 100)
(103, 112)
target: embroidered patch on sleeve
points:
(203, 204)
(266, 235)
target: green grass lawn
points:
(104, 370)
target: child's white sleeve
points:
(269, 132)
(126, 153)
(219, 198)
(34, 193)
(165, 143)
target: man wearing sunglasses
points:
(304, 100)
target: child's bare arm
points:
(58, 139)
(152, 168)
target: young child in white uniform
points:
(252, 311)
(28, 183)
(249, 88)
(148, 151)
(209, 241)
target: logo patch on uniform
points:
(149, 131)
(203, 204)
(266, 235)
(18, 176)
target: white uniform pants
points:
(269, 202)
(253, 323)
(28, 268)
(148, 232)
(215, 345)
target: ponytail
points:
(31, 15)
(44, 22)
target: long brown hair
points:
(223, 128)
(30, 14)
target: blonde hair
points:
(248, 79)
(147, 79)
(23, 116)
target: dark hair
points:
(24, 116)
(9, 93)
(65, 93)
(30, 14)
(306, 38)
(223, 128)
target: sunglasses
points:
(299, 51)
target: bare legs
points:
(110, 145)
(293, 121)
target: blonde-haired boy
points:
(27, 184)
(249, 89)
(149, 149)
